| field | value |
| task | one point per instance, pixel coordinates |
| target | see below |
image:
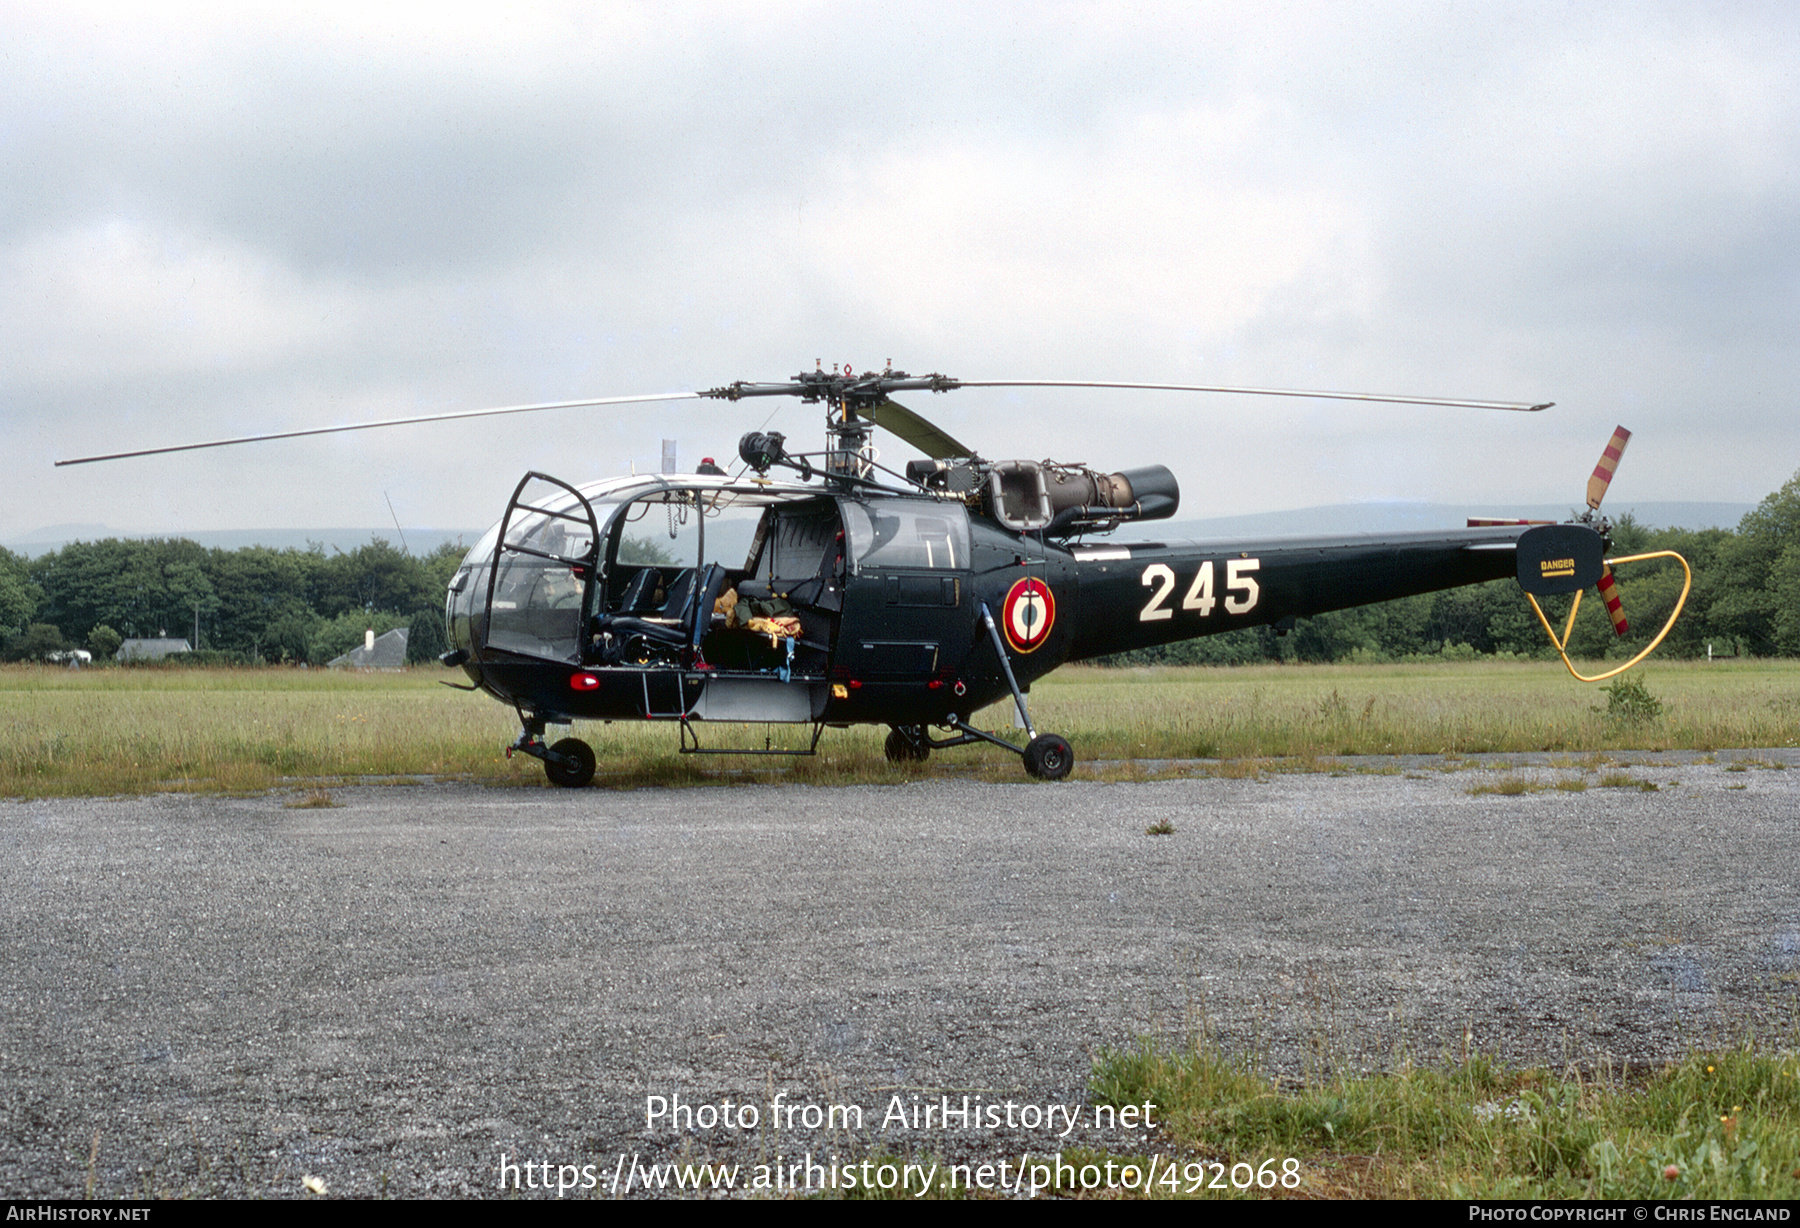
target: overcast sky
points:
(214, 223)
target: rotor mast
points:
(850, 403)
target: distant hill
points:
(1335, 519)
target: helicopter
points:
(840, 592)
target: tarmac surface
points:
(408, 992)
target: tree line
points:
(263, 605)
(251, 605)
(1745, 601)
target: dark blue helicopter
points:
(849, 594)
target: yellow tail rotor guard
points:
(1562, 644)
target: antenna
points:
(397, 528)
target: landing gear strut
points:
(907, 744)
(1047, 756)
(569, 764)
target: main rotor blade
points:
(1521, 406)
(921, 433)
(369, 426)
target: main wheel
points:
(571, 775)
(1049, 757)
(903, 749)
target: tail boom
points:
(1139, 595)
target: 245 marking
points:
(1241, 591)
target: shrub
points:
(1629, 701)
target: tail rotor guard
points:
(1568, 558)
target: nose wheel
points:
(569, 764)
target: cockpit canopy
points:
(565, 559)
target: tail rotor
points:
(1541, 574)
(1597, 485)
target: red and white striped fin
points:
(1609, 461)
(1609, 593)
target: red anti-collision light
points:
(583, 682)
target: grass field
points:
(114, 731)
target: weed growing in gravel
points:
(1719, 1125)
(1512, 786)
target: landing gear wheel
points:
(904, 748)
(1049, 757)
(574, 775)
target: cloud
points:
(117, 301)
(213, 215)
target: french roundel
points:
(1028, 615)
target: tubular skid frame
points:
(1562, 644)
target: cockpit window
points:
(663, 529)
(908, 533)
(688, 527)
